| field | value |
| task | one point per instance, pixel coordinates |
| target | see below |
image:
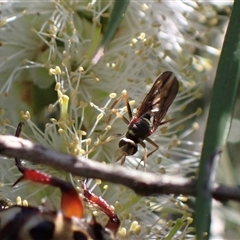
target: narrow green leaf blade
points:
(220, 115)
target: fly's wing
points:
(159, 98)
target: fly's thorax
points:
(139, 129)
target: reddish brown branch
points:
(140, 182)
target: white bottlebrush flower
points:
(46, 51)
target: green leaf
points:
(119, 8)
(178, 224)
(220, 116)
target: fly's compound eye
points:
(128, 146)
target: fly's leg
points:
(113, 222)
(119, 115)
(146, 155)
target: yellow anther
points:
(50, 107)
(162, 170)
(100, 116)
(124, 92)
(167, 155)
(81, 133)
(58, 70)
(19, 200)
(53, 120)
(88, 141)
(57, 86)
(81, 69)
(25, 203)
(195, 126)
(163, 130)
(145, 7)
(199, 112)
(83, 104)
(135, 227)
(112, 95)
(98, 181)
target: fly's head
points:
(127, 146)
